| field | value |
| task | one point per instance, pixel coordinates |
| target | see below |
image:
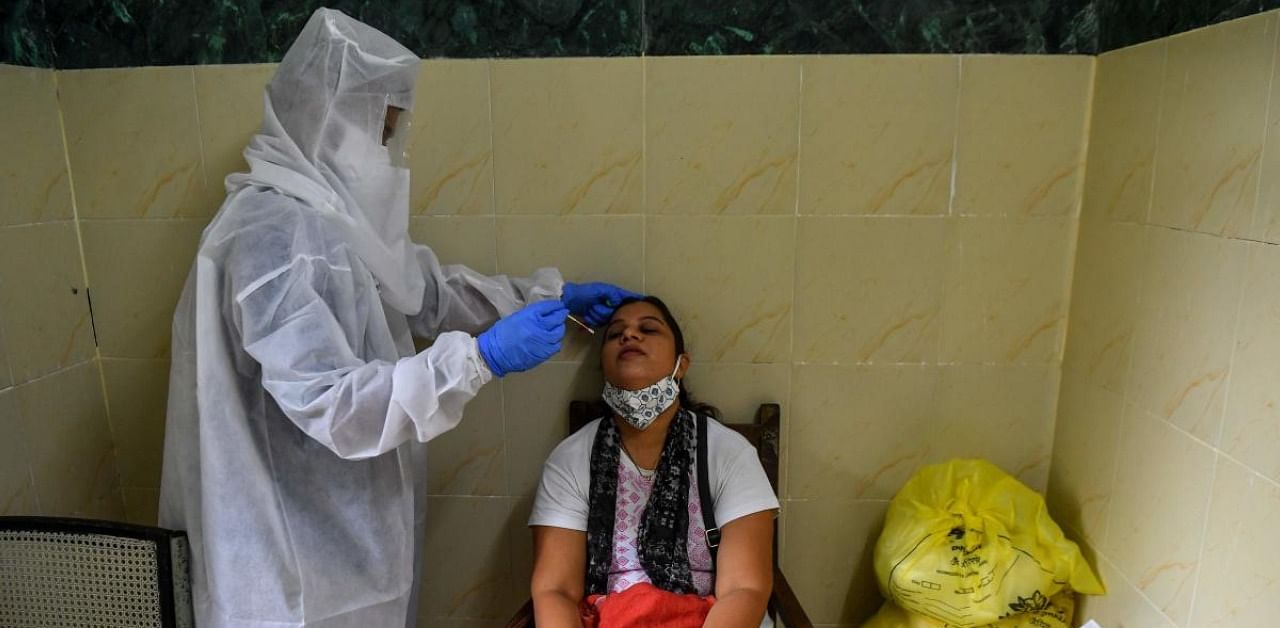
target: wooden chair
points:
(763, 434)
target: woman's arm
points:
(559, 562)
(744, 572)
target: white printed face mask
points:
(640, 407)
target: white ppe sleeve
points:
(457, 298)
(356, 408)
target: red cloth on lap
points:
(646, 606)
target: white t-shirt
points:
(739, 487)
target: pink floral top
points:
(633, 494)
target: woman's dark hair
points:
(686, 400)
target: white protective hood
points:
(321, 141)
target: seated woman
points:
(619, 500)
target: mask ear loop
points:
(677, 368)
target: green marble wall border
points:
(1129, 22)
(118, 33)
(698, 27)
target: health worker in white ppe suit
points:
(298, 407)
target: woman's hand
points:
(559, 562)
(744, 572)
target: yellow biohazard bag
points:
(1038, 612)
(967, 544)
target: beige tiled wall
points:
(799, 216)
(56, 446)
(881, 244)
(1165, 453)
(147, 165)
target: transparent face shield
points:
(395, 135)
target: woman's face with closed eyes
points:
(639, 347)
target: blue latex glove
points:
(594, 302)
(525, 339)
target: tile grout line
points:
(644, 171)
(506, 477)
(75, 201)
(1151, 200)
(897, 217)
(1266, 123)
(1257, 475)
(31, 477)
(799, 135)
(493, 216)
(27, 225)
(12, 388)
(125, 358)
(1073, 259)
(1086, 139)
(84, 270)
(8, 362)
(31, 471)
(1141, 593)
(493, 171)
(1195, 232)
(1204, 533)
(1218, 456)
(151, 220)
(955, 138)
(1126, 395)
(195, 105)
(950, 227)
(785, 454)
(1155, 150)
(1254, 241)
(785, 471)
(1217, 451)
(31, 482)
(54, 373)
(1250, 255)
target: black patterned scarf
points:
(664, 526)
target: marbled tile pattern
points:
(57, 454)
(1164, 456)
(119, 33)
(804, 272)
(33, 179)
(1213, 105)
(814, 258)
(63, 422)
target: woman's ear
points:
(683, 367)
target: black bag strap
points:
(704, 493)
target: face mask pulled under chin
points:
(640, 408)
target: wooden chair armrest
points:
(523, 617)
(784, 601)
